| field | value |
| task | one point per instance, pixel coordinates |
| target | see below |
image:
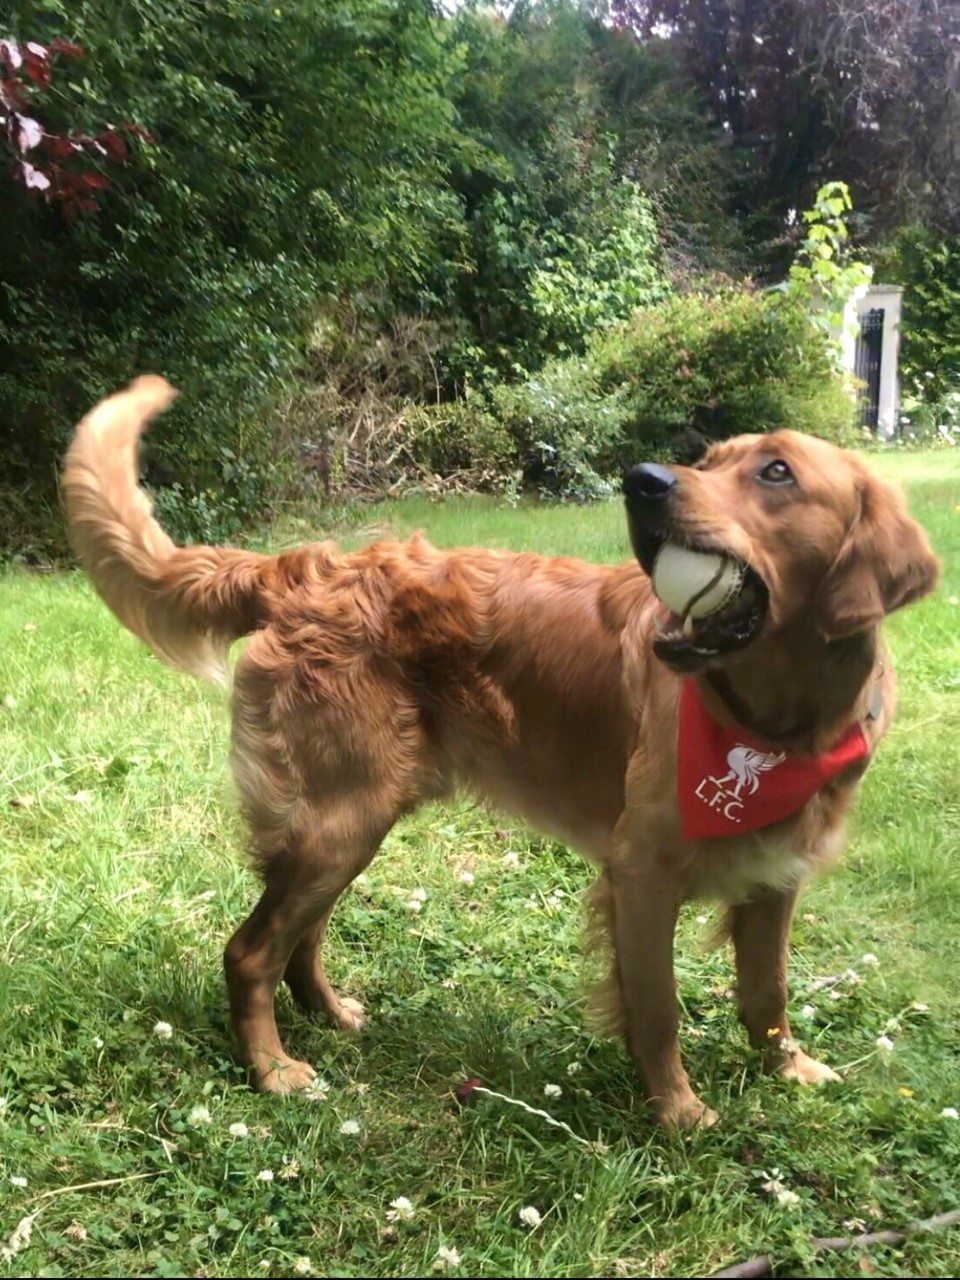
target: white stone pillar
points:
(889, 299)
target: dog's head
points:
(821, 540)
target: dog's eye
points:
(776, 472)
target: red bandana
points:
(728, 781)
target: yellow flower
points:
(905, 1092)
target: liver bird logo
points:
(746, 766)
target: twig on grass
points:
(762, 1264)
(89, 1186)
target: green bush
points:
(724, 362)
(928, 266)
(565, 427)
(295, 150)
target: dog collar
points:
(729, 781)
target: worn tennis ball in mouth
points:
(694, 584)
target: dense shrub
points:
(295, 150)
(724, 361)
(928, 266)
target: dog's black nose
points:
(649, 481)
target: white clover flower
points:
(467, 877)
(511, 860)
(446, 1257)
(415, 904)
(97, 1042)
(401, 1210)
(265, 1175)
(788, 1199)
(418, 895)
(574, 1068)
(317, 1089)
(238, 1130)
(552, 1091)
(530, 1217)
(162, 1030)
(302, 1266)
(17, 1181)
(350, 1127)
(199, 1116)
(808, 1011)
(885, 1046)
(870, 960)
(773, 1186)
(950, 1113)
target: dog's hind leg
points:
(303, 882)
(309, 984)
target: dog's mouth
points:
(687, 643)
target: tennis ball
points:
(694, 584)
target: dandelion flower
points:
(162, 1030)
(401, 1210)
(530, 1217)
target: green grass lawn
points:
(122, 880)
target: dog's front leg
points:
(644, 905)
(760, 930)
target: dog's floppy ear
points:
(885, 563)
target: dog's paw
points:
(349, 1016)
(284, 1075)
(806, 1070)
(686, 1113)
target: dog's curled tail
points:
(187, 603)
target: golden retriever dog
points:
(560, 691)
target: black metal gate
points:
(868, 354)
